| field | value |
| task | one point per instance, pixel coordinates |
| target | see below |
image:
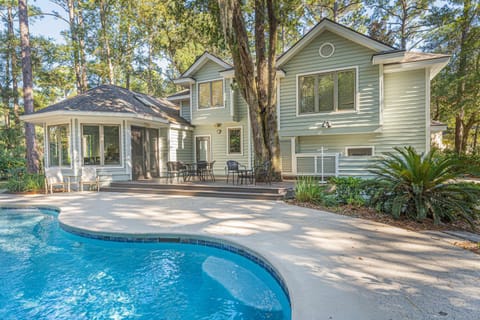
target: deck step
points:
(198, 187)
(178, 190)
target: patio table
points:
(245, 174)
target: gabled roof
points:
(200, 61)
(341, 30)
(115, 101)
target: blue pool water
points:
(47, 273)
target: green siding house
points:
(344, 100)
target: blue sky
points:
(48, 26)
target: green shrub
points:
(467, 164)
(421, 186)
(21, 181)
(349, 190)
(307, 189)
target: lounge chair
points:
(54, 178)
(89, 177)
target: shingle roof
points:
(110, 98)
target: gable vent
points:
(326, 50)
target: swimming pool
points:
(47, 273)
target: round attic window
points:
(326, 50)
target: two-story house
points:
(343, 100)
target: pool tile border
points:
(186, 239)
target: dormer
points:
(210, 81)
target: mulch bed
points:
(427, 224)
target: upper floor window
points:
(210, 94)
(58, 145)
(101, 145)
(327, 92)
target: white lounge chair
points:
(89, 177)
(55, 178)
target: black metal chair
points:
(232, 168)
(209, 170)
(264, 172)
(175, 169)
(201, 169)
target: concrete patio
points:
(335, 267)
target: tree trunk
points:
(74, 38)
(257, 87)
(32, 154)
(106, 42)
(81, 48)
(13, 62)
(459, 133)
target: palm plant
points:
(422, 186)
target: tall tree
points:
(456, 96)
(256, 77)
(405, 19)
(32, 154)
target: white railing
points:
(317, 164)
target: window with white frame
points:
(359, 151)
(327, 92)
(58, 145)
(101, 145)
(210, 94)
(234, 140)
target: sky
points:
(48, 26)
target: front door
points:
(202, 146)
(144, 153)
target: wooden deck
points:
(219, 188)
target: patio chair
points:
(232, 168)
(175, 169)
(209, 170)
(54, 178)
(264, 172)
(202, 169)
(89, 177)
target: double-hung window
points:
(58, 145)
(101, 145)
(210, 94)
(327, 92)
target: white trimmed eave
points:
(179, 98)
(389, 57)
(184, 81)
(327, 25)
(435, 66)
(46, 117)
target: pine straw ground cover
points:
(426, 225)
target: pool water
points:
(47, 273)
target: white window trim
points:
(360, 147)
(297, 93)
(195, 146)
(241, 141)
(102, 147)
(198, 94)
(70, 145)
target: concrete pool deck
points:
(335, 267)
